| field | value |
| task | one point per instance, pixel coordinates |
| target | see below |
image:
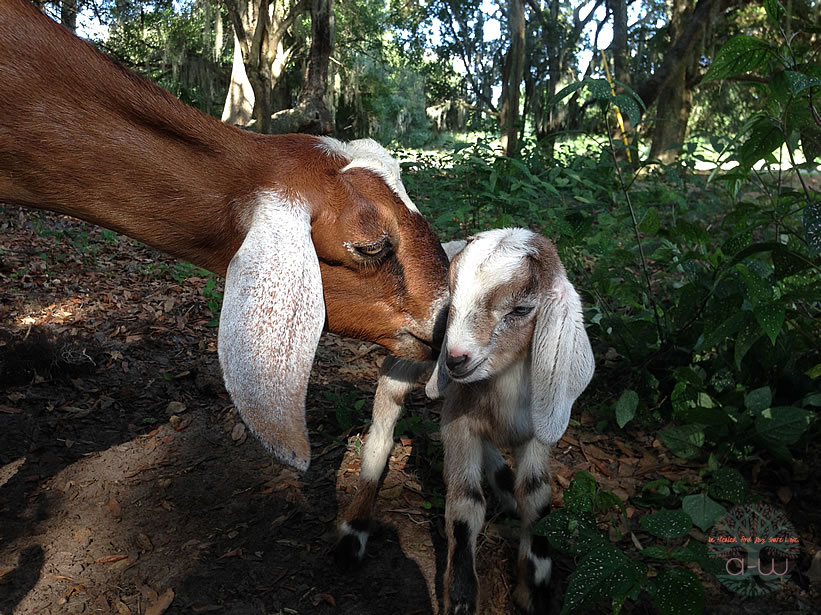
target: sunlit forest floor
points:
(129, 485)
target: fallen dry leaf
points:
(74, 589)
(110, 559)
(238, 432)
(114, 507)
(162, 603)
(175, 407)
(122, 608)
(323, 598)
(234, 553)
(9, 409)
(143, 542)
(784, 494)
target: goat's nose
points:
(456, 358)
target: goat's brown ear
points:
(272, 316)
(439, 379)
(562, 360)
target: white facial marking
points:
(368, 154)
(485, 263)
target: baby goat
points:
(517, 356)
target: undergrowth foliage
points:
(703, 296)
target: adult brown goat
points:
(309, 232)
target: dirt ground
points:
(129, 485)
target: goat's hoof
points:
(350, 549)
(462, 608)
(532, 600)
(348, 552)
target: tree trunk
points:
(316, 77)
(311, 114)
(675, 97)
(618, 48)
(68, 14)
(239, 103)
(682, 46)
(512, 78)
(261, 27)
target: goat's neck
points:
(81, 136)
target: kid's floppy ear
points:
(272, 316)
(439, 379)
(562, 360)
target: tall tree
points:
(311, 114)
(512, 74)
(262, 36)
(68, 14)
(554, 38)
(675, 98)
(673, 80)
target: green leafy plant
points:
(214, 298)
(616, 569)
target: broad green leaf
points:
(684, 441)
(718, 334)
(656, 552)
(698, 552)
(758, 399)
(783, 424)
(788, 263)
(706, 416)
(703, 510)
(667, 523)
(749, 333)
(728, 484)
(799, 82)
(494, 177)
(775, 11)
(628, 107)
(651, 222)
(579, 496)
(770, 317)
(764, 138)
(600, 89)
(678, 592)
(565, 92)
(812, 400)
(740, 54)
(606, 499)
(576, 534)
(631, 92)
(605, 573)
(812, 226)
(626, 407)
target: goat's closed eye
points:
(521, 310)
(373, 250)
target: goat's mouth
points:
(462, 374)
(409, 345)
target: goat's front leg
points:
(500, 477)
(534, 497)
(464, 514)
(396, 379)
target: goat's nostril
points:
(456, 358)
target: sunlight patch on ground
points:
(10, 469)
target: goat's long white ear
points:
(562, 360)
(272, 316)
(439, 379)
